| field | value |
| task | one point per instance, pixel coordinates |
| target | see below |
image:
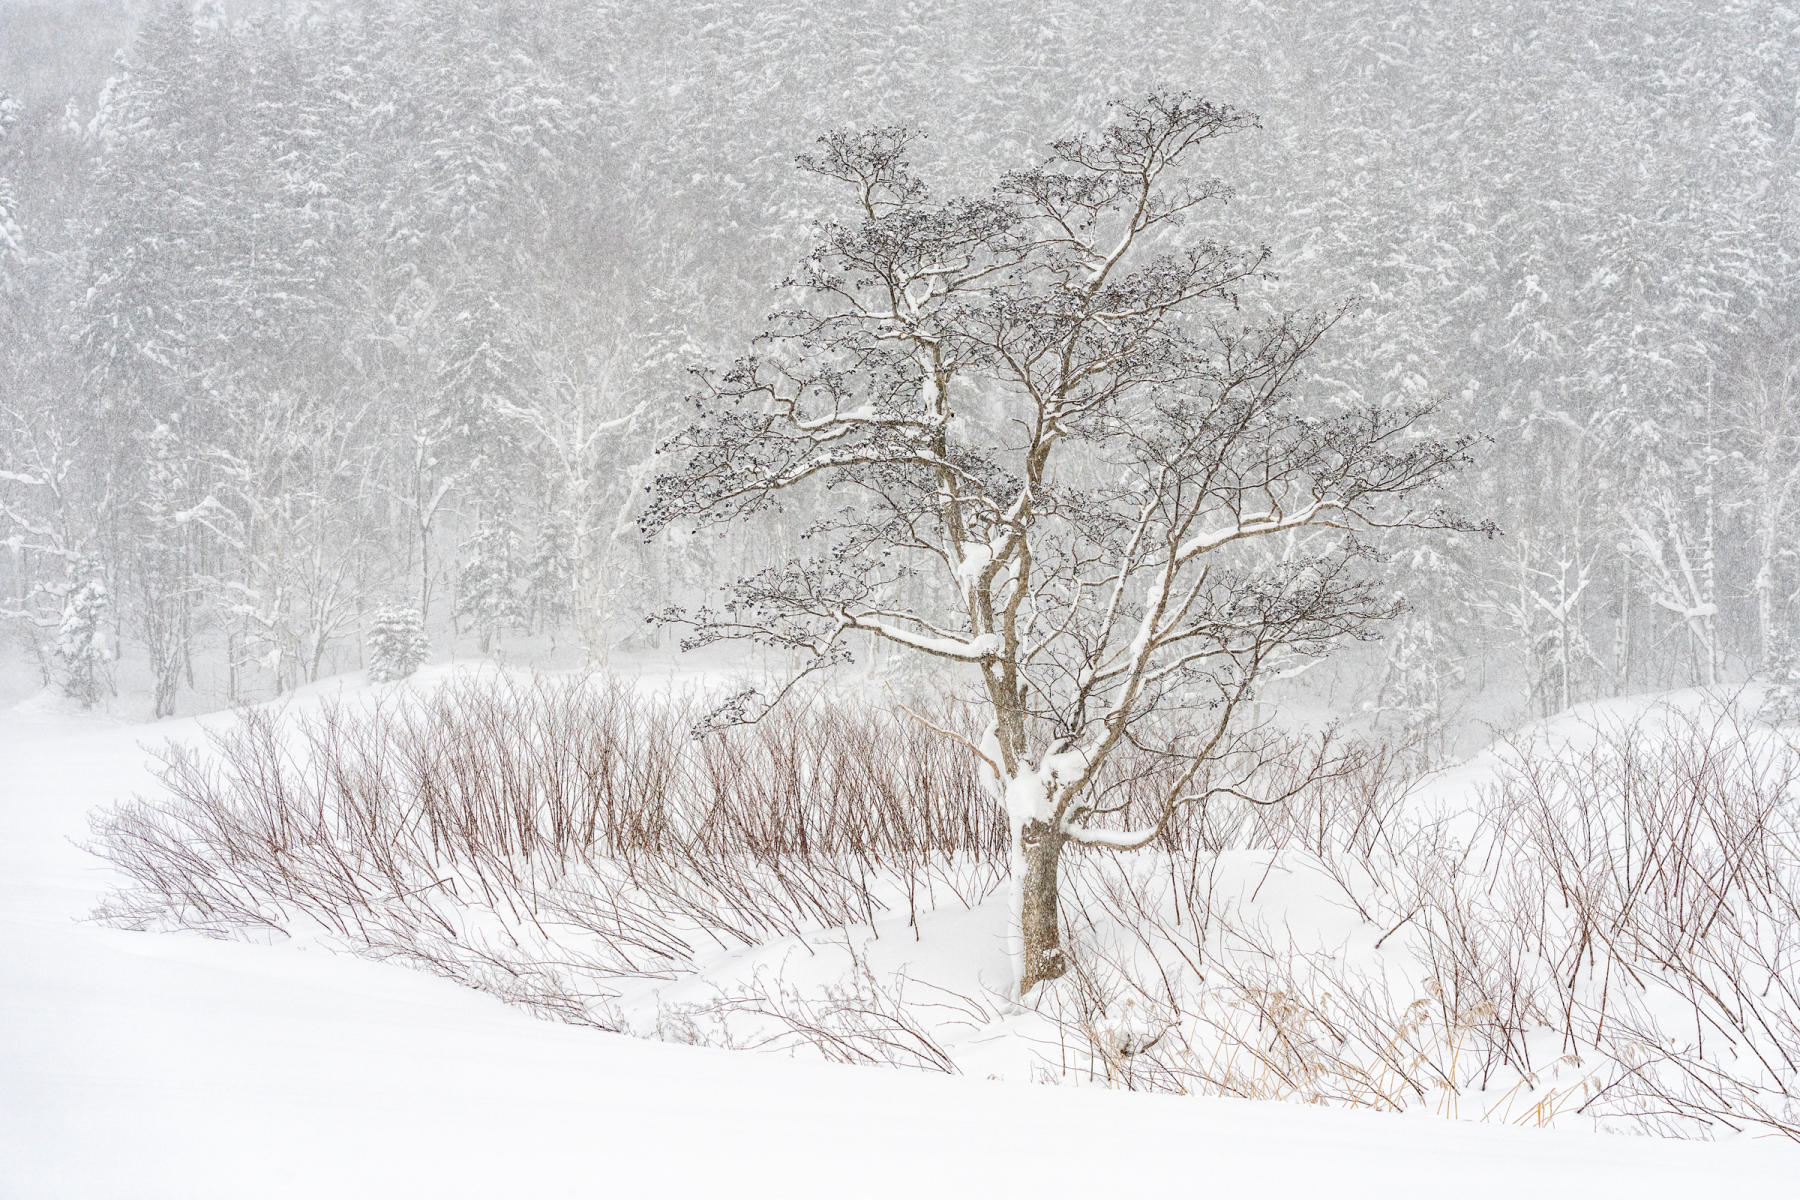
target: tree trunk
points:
(424, 572)
(1040, 936)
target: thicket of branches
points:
(1609, 930)
(540, 839)
(306, 314)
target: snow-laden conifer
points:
(83, 646)
(10, 238)
(397, 642)
(1781, 670)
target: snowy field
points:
(172, 1065)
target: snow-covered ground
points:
(139, 1065)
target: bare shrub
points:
(1611, 929)
(540, 838)
(861, 1020)
(1647, 879)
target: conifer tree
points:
(397, 643)
(83, 644)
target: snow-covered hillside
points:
(151, 1065)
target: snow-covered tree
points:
(490, 584)
(397, 643)
(484, 378)
(83, 638)
(591, 448)
(11, 238)
(1781, 672)
(1046, 441)
(1760, 473)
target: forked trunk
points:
(1042, 958)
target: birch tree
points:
(594, 467)
(1048, 444)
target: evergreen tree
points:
(83, 649)
(482, 388)
(488, 585)
(397, 643)
(11, 239)
(1781, 670)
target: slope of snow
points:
(152, 1065)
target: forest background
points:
(309, 311)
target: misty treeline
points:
(350, 307)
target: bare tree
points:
(1045, 441)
